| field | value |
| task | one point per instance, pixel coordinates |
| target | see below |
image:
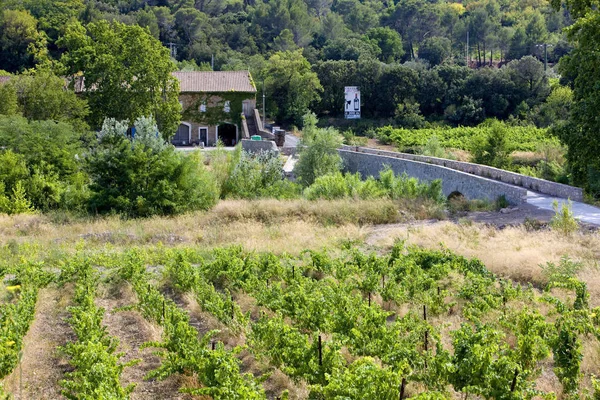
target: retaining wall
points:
(256, 146)
(470, 186)
(512, 178)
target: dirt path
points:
(42, 365)
(133, 330)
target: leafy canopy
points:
(126, 73)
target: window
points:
(227, 106)
(202, 107)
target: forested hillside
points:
(408, 57)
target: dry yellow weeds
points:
(511, 252)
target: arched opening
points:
(183, 135)
(227, 133)
(456, 195)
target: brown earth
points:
(43, 365)
(133, 330)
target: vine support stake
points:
(402, 387)
(369, 299)
(320, 352)
(424, 312)
(514, 381)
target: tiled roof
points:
(215, 81)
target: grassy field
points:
(188, 243)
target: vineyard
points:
(520, 138)
(338, 324)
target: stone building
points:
(215, 107)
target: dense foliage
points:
(525, 138)
(297, 48)
(143, 175)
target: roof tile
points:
(215, 81)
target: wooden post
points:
(293, 271)
(402, 387)
(369, 299)
(320, 352)
(514, 381)
(424, 312)
(163, 310)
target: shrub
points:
(492, 149)
(338, 186)
(563, 220)
(143, 176)
(48, 143)
(318, 152)
(260, 175)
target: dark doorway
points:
(182, 136)
(228, 134)
(204, 136)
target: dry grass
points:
(512, 252)
(261, 225)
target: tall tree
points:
(582, 133)
(21, 45)
(42, 96)
(126, 73)
(291, 85)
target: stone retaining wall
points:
(256, 146)
(512, 178)
(470, 186)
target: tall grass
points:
(389, 185)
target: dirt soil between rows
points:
(43, 365)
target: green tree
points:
(389, 41)
(126, 72)
(435, 50)
(318, 155)
(493, 149)
(291, 86)
(350, 49)
(42, 96)
(582, 133)
(334, 75)
(43, 144)
(8, 100)
(54, 15)
(21, 45)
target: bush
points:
(318, 152)
(339, 186)
(256, 176)
(144, 176)
(563, 220)
(492, 149)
